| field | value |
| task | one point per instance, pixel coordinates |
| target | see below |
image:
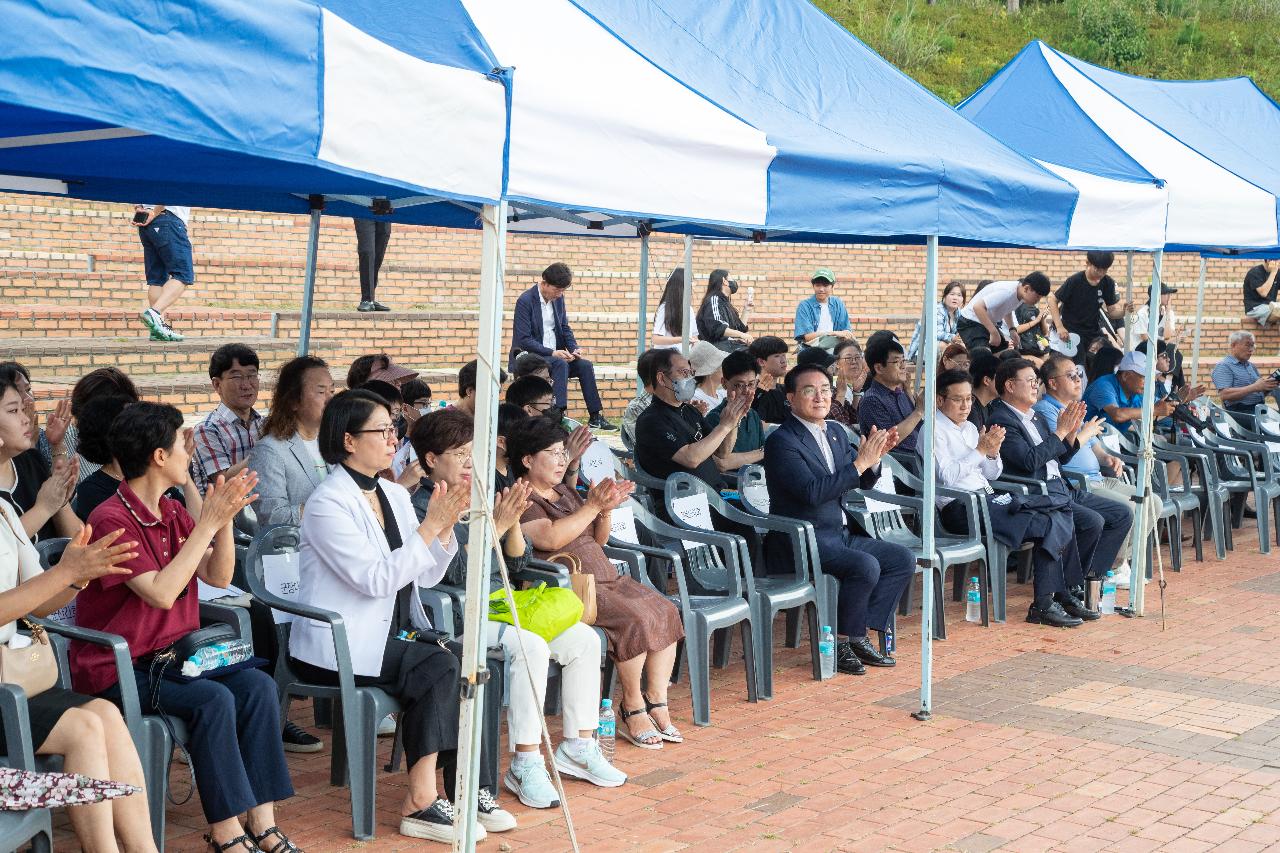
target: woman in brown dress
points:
(642, 626)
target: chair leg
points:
(680, 650)
(722, 643)
(763, 614)
(939, 599)
(793, 629)
(155, 754)
(1264, 520)
(397, 751)
(904, 603)
(697, 648)
(997, 582)
(360, 728)
(749, 659)
(811, 610)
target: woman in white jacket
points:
(364, 554)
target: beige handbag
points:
(34, 668)
(584, 584)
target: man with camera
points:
(1239, 384)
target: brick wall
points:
(70, 275)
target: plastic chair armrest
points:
(16, 725)
(131, 708)
(236, 617)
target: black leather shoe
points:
(378, 306)
(1052, 615)
(1073, 606)
(869, 654)
(1077, 592)
(847, 662)
(365, 307)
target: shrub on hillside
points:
(1115, 28)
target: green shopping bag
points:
(546, 611)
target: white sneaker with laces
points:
(492, 816)
(532, 784)
(591, 766)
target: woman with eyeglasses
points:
(954, 357)
(364, 554)
(850, 377)
(287, 456)
(643, 627)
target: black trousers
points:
(372, 238)
(872, 576)
(975, 335)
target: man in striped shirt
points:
(224, 439)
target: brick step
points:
(136, 355)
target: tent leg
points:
(687, 318)
(1128, 297)
(929, 475)
(642, 312)
(1138, 550)
(1195, 343)
(309, 282)
(479, 551)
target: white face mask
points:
(424, 410)
(685, 388)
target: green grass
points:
(953, 46)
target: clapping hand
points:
(874, 447)
(56, 423)
(226, 497)
(990, 439)
(509, 505)
(446, 509)
(57, 490)
(736, 406)
(577, 443)
(1070, 419)
(1090, 429)
(609, 494)
(701, 406)
(85, 561)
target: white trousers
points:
(577, 651)
(1115, 489)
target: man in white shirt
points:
(979, 321)
(166, 255)
(967, 458)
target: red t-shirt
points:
(107, 604)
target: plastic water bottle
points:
(827, 652)
(1107, 604)
(973, 602)
(606, 732)
(218, 655)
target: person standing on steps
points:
(166, 256)
(372, 237)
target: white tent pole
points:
(480, 547)
(687, 319)
(309, 280)
(929, 475)
(1128, 297)
(1142, 489)
(642, 312)
(1195, 342)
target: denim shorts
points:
(166, 251)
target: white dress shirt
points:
(960, 464)
(548, 323)
(1029, 421)
(819, 432)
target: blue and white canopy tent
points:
(614, 117)
(1207, 143)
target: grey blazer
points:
(286, 477)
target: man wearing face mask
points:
(672, 435)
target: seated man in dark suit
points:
(541, 326)
(809, 465)
(1032, 449)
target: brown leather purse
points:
(584, 584)
(34, 668)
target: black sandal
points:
(670, 734)
(284, 845)
(243, 842)
(641, 740)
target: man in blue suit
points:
(541, 326)
(809, 465)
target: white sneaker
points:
(591, 766)
(490, 815)
(532, 784)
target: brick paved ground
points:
(1124, 735)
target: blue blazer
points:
(798, 481)
(526, 332)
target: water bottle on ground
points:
(607, 730)
(1107, 604)
(973, 602)
(827, 652)
(217, 655)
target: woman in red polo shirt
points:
(157, 604)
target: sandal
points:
(670, 734)
(243, 842)
(284, 845)
(642, 740)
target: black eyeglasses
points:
(387, 431)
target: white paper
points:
(623, 525)
(884, 484)
(597, 463)
(758, 496)
(694, 510)
(280, 576)
(212, 593)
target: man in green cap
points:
(821, 318)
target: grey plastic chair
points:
(357, 710)
(710, 594)
(1241, 474)
(767, 593)
(1267, 497)
(35, 825)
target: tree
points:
(1012, 6)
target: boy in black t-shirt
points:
(1261, 286)
(1079, 302)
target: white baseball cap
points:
(1133, 361)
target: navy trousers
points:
(584, 372)
(234, 727)
(1101, 526)
(872, 575)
